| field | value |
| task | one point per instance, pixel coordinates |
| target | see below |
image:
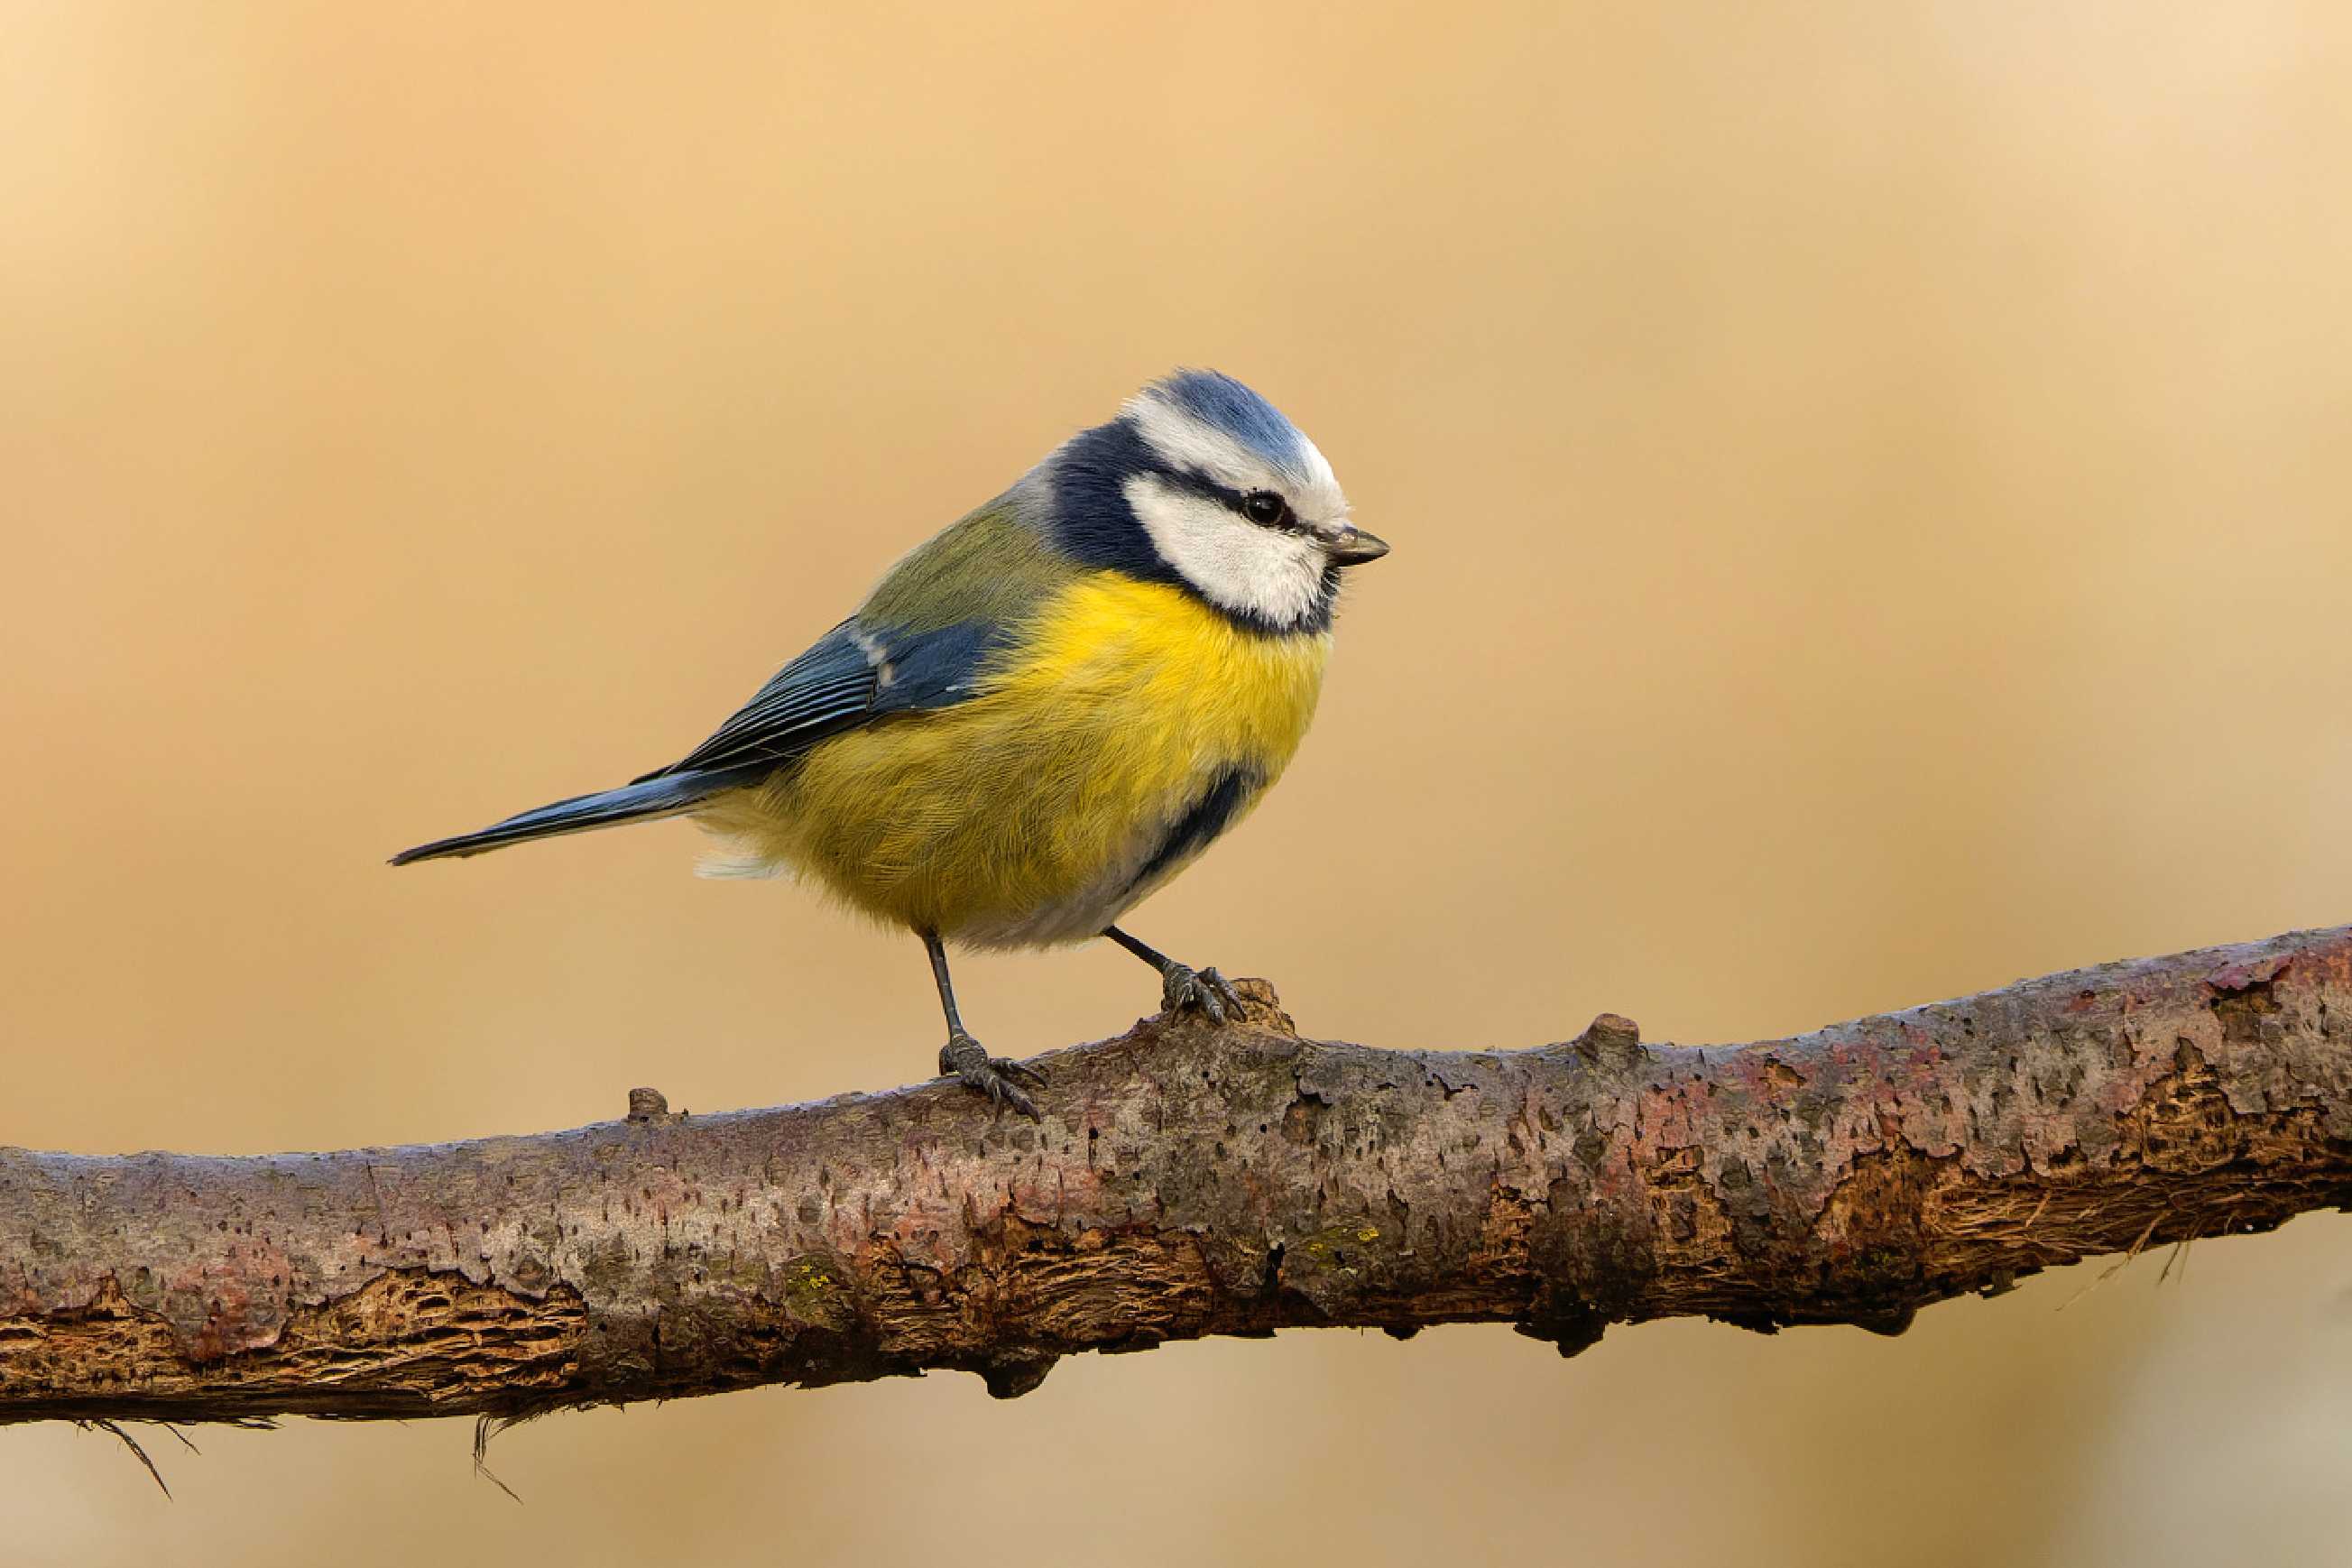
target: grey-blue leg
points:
(1180, 985)
(999, 1078)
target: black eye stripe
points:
(1274, 511)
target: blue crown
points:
(1222, 404)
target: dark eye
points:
(1266, 509)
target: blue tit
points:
(1047, 709)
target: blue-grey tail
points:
(641, 802)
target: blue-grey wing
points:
(855, 674)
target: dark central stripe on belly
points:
(1202, 820)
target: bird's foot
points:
(999, 1078)
(1182, 986)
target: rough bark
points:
(1188, 1180)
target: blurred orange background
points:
(1872, 511)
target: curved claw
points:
(995, 1076)
(1182, 986)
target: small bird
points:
(1045, 712)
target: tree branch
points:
(1190, 1179)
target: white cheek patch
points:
(1262, 572)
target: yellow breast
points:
(1025, 815)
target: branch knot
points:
(1612, 1040)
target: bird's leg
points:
(999, 1078)
(1180, 985)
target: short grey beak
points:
(1351, 546)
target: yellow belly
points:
(1024, 815)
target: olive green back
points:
(994, 565)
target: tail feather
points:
(641, 802)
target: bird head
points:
(1202, 483)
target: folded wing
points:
(856, 674)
